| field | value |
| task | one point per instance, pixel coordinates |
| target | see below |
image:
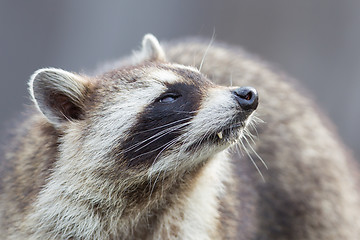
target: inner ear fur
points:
(58, 94)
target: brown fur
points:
(310, 189)
(27, 167)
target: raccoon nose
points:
(247, 98)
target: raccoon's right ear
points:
(59, 94)
(151, 50)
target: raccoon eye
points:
(168, 98)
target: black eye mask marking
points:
(160, 124)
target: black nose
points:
(247, 98)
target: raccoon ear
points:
(151, 50)
(58, 94)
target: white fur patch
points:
(197, 213)
(165, 76)
(189, 68)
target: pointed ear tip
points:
(39, 75)
(34, 76)
(150, 42)
(51, 70)
(151, 50)
(150, 38)
(42, 70)
(46, 72)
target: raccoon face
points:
(152, 116)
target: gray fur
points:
(63, 178)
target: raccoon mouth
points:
(222, 137)
(229, 134)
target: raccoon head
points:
(149, 117)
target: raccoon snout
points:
(247, 98)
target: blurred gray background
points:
(317, 42)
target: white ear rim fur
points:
(151, 50)
(63, 81)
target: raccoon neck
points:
(185, 209)
(195, 211)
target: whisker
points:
(153, 187)
(156, 136)
(182, 148)
(201, 139)
(257, 119)
(165, 146)
(257, 155)
(239, 149)
(252, 160)
(181, 151)
(253, 126)
(186, 140)
(169, 144)
(171, 130)
(195, 111)
(206, 51)
(250, 135)
(165, 125)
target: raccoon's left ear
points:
(58, 94)
(151, 50)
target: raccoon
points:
(159, 146)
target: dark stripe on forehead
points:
(160, 124)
